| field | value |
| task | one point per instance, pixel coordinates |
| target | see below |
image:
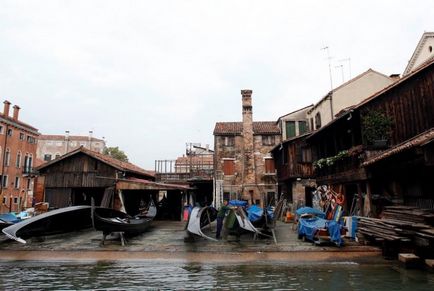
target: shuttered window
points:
(302, 127)
(229, 167)
(269, 166)
(290, 129)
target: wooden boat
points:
(199, 218)
(109, 221)
(53, 222)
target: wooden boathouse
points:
(82, 175)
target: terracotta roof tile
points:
(259, 127)
(63, 137)
(123, 166)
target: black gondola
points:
(53, 222)
(109, 221)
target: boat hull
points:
(53, 222)
(109, 220)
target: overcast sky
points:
(150, 76)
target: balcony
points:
(29, 171)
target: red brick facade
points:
(241, 163)
(17, 156)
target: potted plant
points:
(376, 128)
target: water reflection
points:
(176, 276)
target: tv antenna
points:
(349, 64)
(342, 71)
(326, 48)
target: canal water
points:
(183, 276)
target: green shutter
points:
(290, 129)
(302, 127)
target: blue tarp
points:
(239, 203)
(310, 210)
(254, 213)
(10, 217)
(308, 226)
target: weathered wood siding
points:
(410, 105)
(78, 171)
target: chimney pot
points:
(6, 107)
(16, 112)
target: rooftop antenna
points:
(342, 70)
(326, 48)
(349, 64)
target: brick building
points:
(51, 147)
(17, 153)
(244, 168)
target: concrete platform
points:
(165, 240)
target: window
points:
(430, 49)
(306, 155)
(311, 124)
(47, 157)
(57, 155)
(17, 182)
(317, 120)
(290, 129)
(31, 139)
(7, 157)
(29, 183)
(9, 132)
(5, 181)
(18, 161)
(229, 141)
(4, 200)
(22, 136)
(15, 200)
(229, 167)
(1, 129)
(302, 127)
(268, 140)
(269, 166)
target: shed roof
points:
(122, 166)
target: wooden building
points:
(396, 166)
(78, 176)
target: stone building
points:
(350, 93)
(51, 147)
(17, 154)
(244, 168)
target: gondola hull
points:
(53, 222)
(109, 220)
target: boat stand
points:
(121, 236)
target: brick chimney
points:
(249, 171)
(16, 112)
(6, 107)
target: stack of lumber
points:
(402, 224)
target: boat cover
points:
(308, 227)
(10, 217)
(255, 213)
(239, 203)
(310, 210)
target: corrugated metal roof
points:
(236, 128)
